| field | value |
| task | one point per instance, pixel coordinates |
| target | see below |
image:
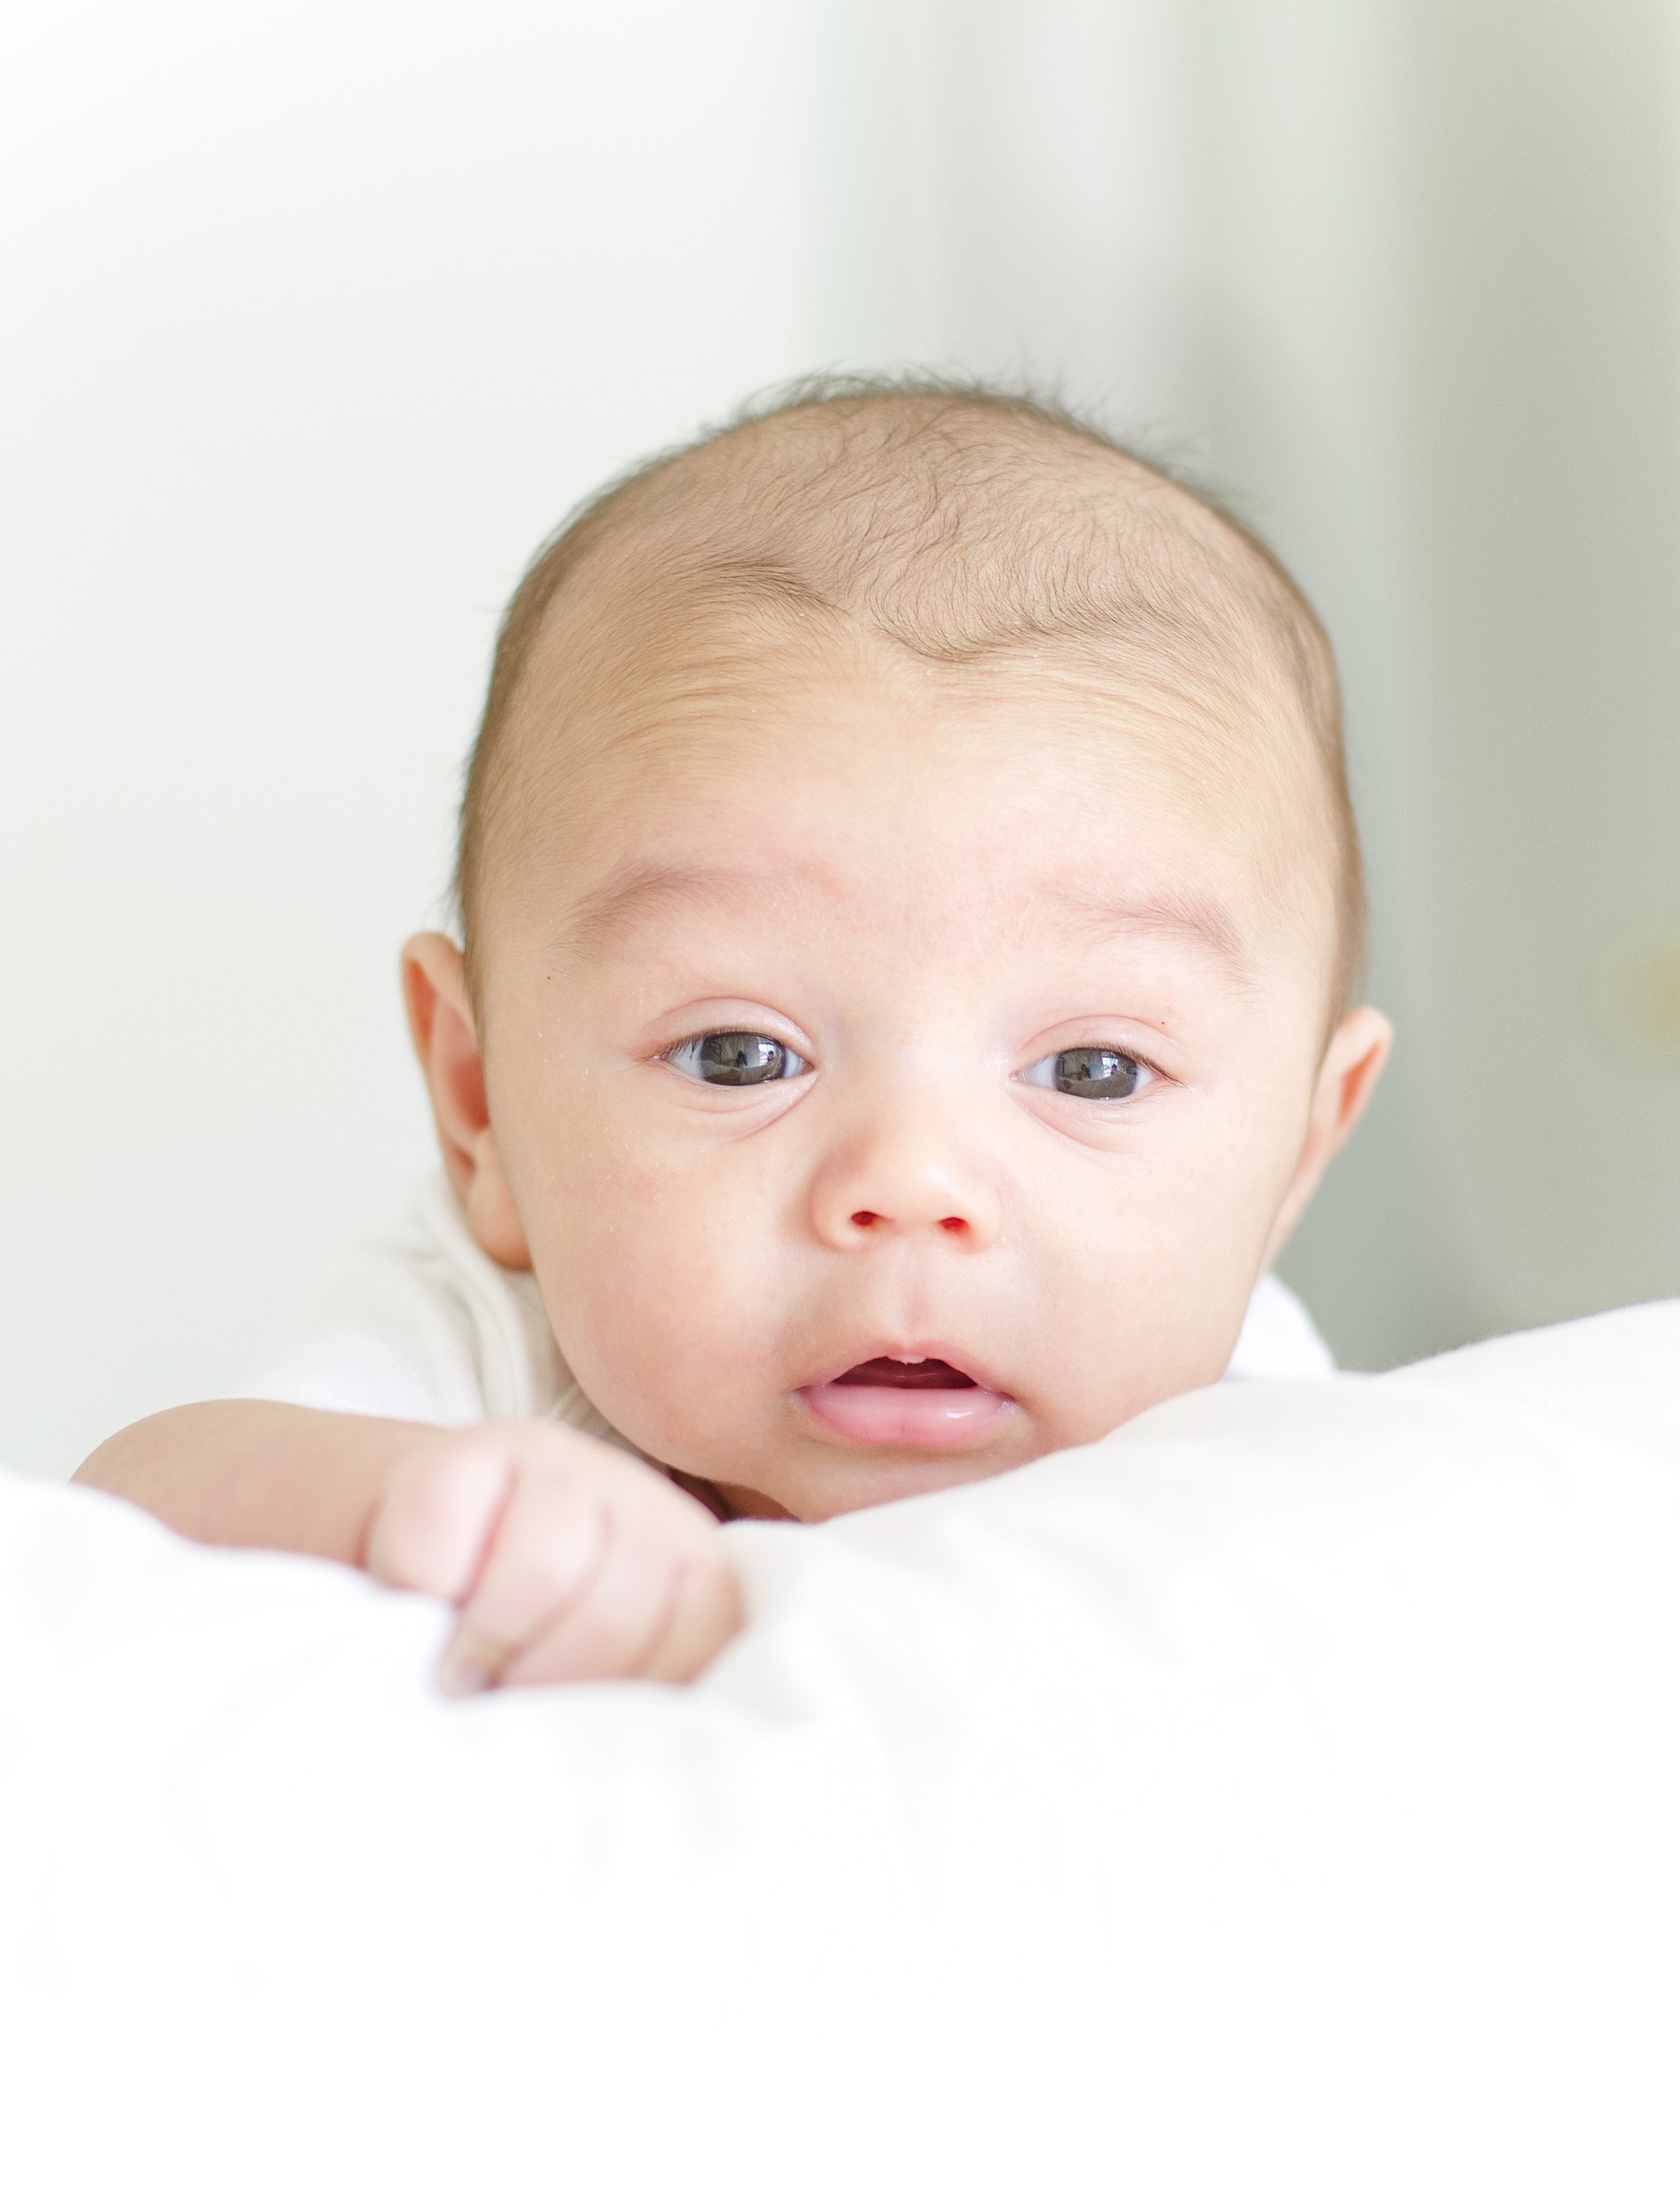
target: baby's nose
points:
(904, 1186)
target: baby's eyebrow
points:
(649, 887)
(629, 895)
(1186, 914)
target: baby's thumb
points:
(436, 1521)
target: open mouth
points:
(890, 1401)
(928, 1376)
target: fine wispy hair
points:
(960, 520)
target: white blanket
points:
(1286, 1792)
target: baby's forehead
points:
(700, 616)
(746, 767)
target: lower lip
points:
(937, 1419)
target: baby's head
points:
(910, 903)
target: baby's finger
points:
(550, 1546)
(706, 1614)
(609, 1627)
(437, 1518)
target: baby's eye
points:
(1105, 1073)
(736, 1059)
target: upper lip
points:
(901, 1351)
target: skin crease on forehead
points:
(923, 881)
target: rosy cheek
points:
(661, 1285)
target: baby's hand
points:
(569, 1560)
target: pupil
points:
(1095, 1073)
(738, 1061)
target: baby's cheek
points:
(1148, 1288)
(668, 1320)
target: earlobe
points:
(441, 1026)
(1352, 1065)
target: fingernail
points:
(461, 1676)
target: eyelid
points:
(1141, 1042)
(699, 1019)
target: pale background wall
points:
(318, 318)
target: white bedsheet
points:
(1284, 1792)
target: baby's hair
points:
(957, 520)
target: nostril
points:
(863, 1217)
(955, 1225)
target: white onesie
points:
(421, 1325)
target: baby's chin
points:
(804, 1493)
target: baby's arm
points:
(569, 1560)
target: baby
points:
(910, 906)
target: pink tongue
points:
(913, 1376)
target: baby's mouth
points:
(892, 1401)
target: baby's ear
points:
(446, 1043)
(1353, 1061)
